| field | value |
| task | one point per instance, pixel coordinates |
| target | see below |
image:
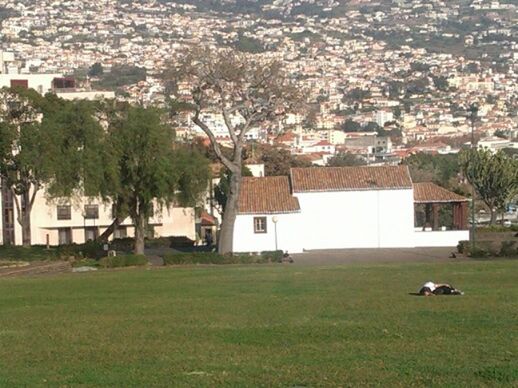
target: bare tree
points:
(248, 92)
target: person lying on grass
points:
(431, 288)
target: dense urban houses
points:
(347, 207)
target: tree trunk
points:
(493, 214)
(110, 230)
(26, 229)
(140, 233)
(23, 208)
(226, 234)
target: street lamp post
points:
(275, 220)
(473, 109)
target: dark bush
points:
(162, 242)
(216, 258)
(86, 263)
(123, 261)
(122, 244)
(34, 253)
(498, 228)
(478, 253)
(90, 250)
(126, 244)
(195, 258)
(181, 242)
(509, 249)
(486, 248)
(273, 256)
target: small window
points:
(91, 212)
(91, 234)
(65, 236)
(259, 224)
(120, 232)
(64, 212)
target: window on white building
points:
(120, 232)
(91, 212)
(65, 236)
(91, 233)
(260, 225)
(64, 212)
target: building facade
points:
(59, 222)
(345, 207)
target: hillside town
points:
(383, 80)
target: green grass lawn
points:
(278, 325)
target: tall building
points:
(383, 117)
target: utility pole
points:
(473, 109)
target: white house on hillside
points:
(346, 207)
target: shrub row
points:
(41, 253)
(89, 250)
(123, 261)
(34, 253)
(498, 228)
(126, 244)
(216, 258)
(488, 248)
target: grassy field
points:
(262, 326)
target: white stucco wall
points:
(449, 238)
(357, 219)
(86, 95)
(288, 233)
(335, 220)
(42, 83)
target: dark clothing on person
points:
(425, 290)
(446, 290)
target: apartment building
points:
(64, 221)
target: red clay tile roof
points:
(268, 195)
(350, 178)
(207, 220)
(428, 192)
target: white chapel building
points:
(347, 207)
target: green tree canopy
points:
(24, 167)
(344, 159)
(440, 169)
(78, 155)
(277, 161)
(494, 177)
(96, 70)
(150, 170)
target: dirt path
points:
(345, 256)
(40, 268)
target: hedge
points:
(123, 261)
(34, 253)
(489, 248)
(90, 250)
(216, 258)
(126, 244)
(498, 228)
